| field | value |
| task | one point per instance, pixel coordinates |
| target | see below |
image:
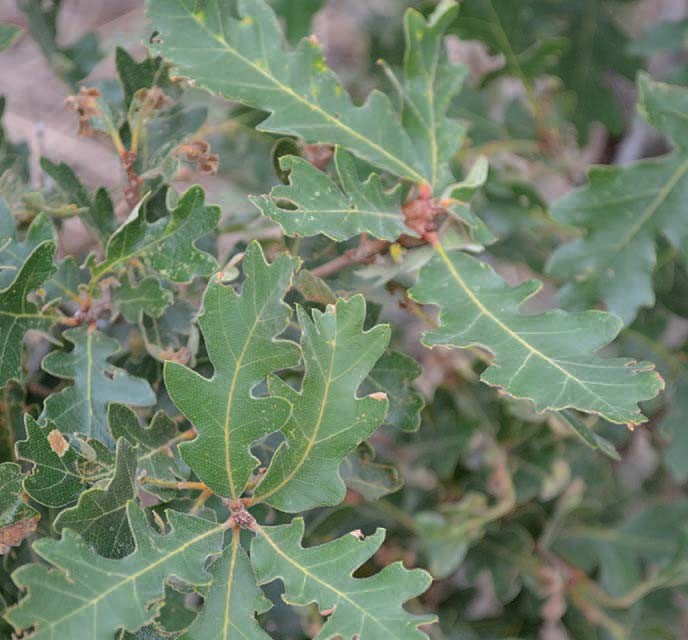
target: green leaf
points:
(501, 552)
(240, 335)
(668, 36)
(100, 516)
(17, 519)
(13, 252)
(9, 34)
(14, 158)
(82, 407)
(12, 407)
(71, 63)
(365, 607)
(148, 297)
(87, 591)
(18, 315)
(652, 536)
(510, 28)
(232, 601)
(96, 211)
(445, 437)
(135, 75)
(597, 48)
(297, 16)
(393, 375)
(549, 357)
(623, 211)
(588, 436)
(154, 445)
(429, 84)
(174, 616)
(447, 534)
(167, 245)
(672, 425)
(312, 203)
(371, 479)
(174, 332)
(304, 98)
(328, 420)
(62, 469)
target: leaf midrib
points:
(654, 206)
(230, 579)
(487, 313)
(311, 440)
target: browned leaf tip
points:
(13, 534)
(58, 443)
(199, 152)
(154, 98)
(85, 104)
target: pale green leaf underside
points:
(82, 407)
(328, 420)
(89, 594)
(362, 607)
(240, 334)
(549, 357)
(246, 60)
(313, 204)
(623, 211)
(232, 601)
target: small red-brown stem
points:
(431, 238)
(38, 389)
(364, 252)
(132, 190)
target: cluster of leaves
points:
(191, 434)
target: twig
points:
(168, 484)
(364, 252)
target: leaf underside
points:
(549, 357)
